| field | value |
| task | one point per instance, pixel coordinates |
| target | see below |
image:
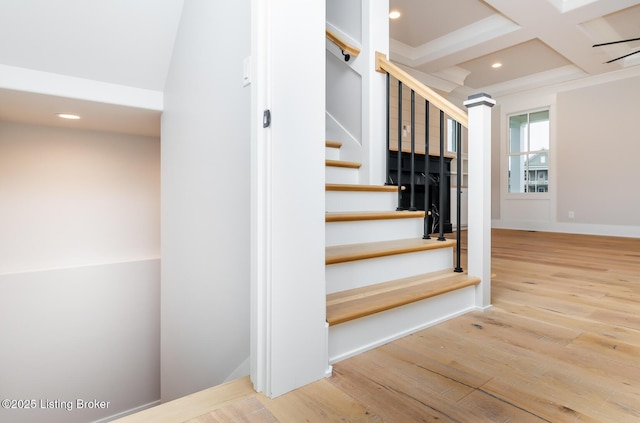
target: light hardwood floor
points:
(561, 344)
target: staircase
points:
(383, 280)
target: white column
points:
(288, 295)
(375, 38)
(479, 197)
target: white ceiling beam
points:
(467, 38)
(32, 81)
(562, 31)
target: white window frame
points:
(550, 180)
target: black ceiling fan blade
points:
(617, 42)
(622, 57)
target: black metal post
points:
(412, 198)
(458, 129)
(427, 176)
(399, 146)
(441, 185)
(388, 174)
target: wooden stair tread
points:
(333, 144)
(359, 216)
(345, 253)
(360, 302)
(362, 188)
(342, 163)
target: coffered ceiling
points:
(452, 45)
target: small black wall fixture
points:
(347, 56)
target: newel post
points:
(479, 195)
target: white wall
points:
(205, 199)
(594, 150)
(344, 101)
(346, 17)
(71, 197)
(598, 150)
(79, 270)
(344, 80)
(356, 94)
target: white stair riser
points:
(331, 153)
(359, 273)
(341, 175)
(360, 335)
(356, 201)
(356, 232)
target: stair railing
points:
(348, 50)
(446, 107)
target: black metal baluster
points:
(412, 201)
(441, 185)
(399, 146)
(388, 174)
(427, 175)
(458, 134)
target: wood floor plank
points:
(249, 410)
(415, 382)
(438, 361)
(432, 396)
(483, 407)
(607, 330)
(390, 405)
(320, 402)
(621, 318)
(558, 364)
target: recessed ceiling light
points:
(394, 14)
(496, 65)
(68, 116)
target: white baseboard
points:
(329, 371)
(487, 308)
(571, 228)
(128, 412)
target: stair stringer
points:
(351, 149)
(357, 336)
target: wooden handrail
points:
(385, 66)
(346, 48)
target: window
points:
(452, 144)
(529, 152)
